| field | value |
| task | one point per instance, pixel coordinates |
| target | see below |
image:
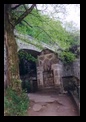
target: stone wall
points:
(76, 73)
(67, 70)
(76, 68)
(71, 77)
(72, 69)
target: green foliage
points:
(15, 104)
(51, 32)
(67, 56)
(22, 54)
(43, 28)
(26, 86)
(73, 33)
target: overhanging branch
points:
(44, 31)
(25, 7)
(24, 14)
(28, 24)
(14, 6)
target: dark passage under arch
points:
(28, 72)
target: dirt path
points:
(51, 105)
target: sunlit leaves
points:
(67, 56)
(50, 31)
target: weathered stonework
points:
(72, 70)
(48, 70)
(76, 68)
(71, 77)
(51, 72)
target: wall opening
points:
(27, 70)
(48, 78)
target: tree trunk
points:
(13, 79)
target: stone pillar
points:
(40, 76)
(57, 70)
(57, 75)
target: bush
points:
(67, 57)
(26, 86)
(15, 104)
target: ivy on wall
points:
(22, 54)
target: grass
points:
(15, 104)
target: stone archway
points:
(28, 72)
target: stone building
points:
(49, 71)
(52, 73)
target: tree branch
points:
(14, 6)
(38, 34)
(25, 22)
(25, 7)
(44, 31)
(24, 15)
(28, 23)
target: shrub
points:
(15, 104)
(26, 86)
(67, 57)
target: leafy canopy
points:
(49, 31)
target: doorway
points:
(48, 78)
